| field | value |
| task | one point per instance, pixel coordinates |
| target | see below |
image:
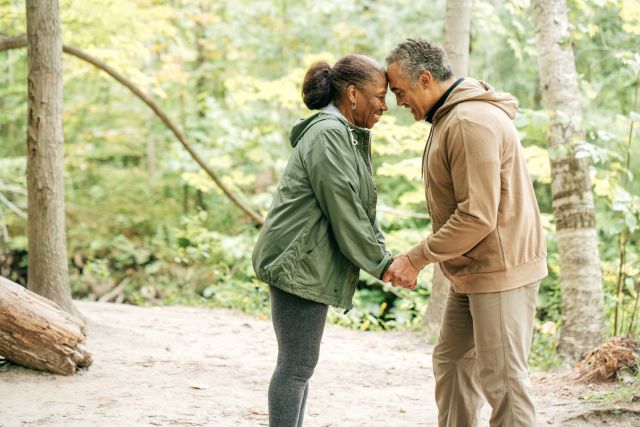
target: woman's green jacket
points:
(322, 228)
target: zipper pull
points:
(353, 140)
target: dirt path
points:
(199, 367)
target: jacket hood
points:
(330, 112)
(476, 90)
(303, 125)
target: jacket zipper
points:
(352, 281)
(369, 165)
(373, 182)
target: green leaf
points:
(630, 284)
(631, 220)
(184, 242)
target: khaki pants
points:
(498, 326)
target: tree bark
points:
(573, 208)
(201, 60)
(457, 27)
(37, 334)
(48, 273)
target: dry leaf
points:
(200, 386)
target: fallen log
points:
(37, 334)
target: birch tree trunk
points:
(580, 275)
(457, 28)
(47, 240)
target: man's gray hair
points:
(416, 55)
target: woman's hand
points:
(402, 273)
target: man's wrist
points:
(417, 257)
(411, 262)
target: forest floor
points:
(179, 366)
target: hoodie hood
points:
(476, 90)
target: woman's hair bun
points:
(318, 88)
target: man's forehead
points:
(395, 85)
(394, 77)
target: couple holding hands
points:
(487, 233)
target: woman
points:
(321, 229)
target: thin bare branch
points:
(7, 43)
(13, 207)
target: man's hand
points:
(402, 273)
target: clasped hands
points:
(402, 273)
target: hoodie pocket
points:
(485, 257)
(458, 265)
(460, 261)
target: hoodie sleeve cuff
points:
(419, 257)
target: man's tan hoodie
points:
(487, 232)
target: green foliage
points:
(543, 354)
(624, 393)
(142, 215)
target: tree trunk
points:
(580, 275)
(37, 334)
(47, 240)
(457, 27)
(201, 60)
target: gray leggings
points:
(299, 324)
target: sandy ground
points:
(177, 366)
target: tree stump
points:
(610, 359)
(37, 334)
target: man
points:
(487, 236)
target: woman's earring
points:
(353, 106)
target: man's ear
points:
(425, 79)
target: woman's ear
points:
(351, 93)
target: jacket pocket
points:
(314, 244)
(319, 267)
